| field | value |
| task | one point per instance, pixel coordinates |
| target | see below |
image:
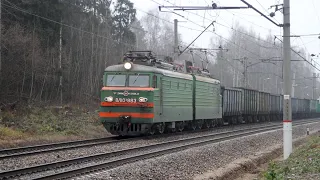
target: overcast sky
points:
(304, 19)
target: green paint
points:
(318, 107)
(176, 98)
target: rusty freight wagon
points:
(232, 105)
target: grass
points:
(304, 163)
(10, 134)
(32, 125)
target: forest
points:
(56, 51)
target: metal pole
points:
(176, 45)
(293, 84)
(287, 111)
(245, 73)
(276, 85)
(60, 63)
(0, 42)
(245, 67)
(260, 84)
(313, 86)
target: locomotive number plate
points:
(130, 100)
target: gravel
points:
(33, 160)
(109, 159)
(195, 161)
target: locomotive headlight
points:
(108, 99)
(143, 99)
(127, 65)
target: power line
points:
(307, 51)
(265, 9)
(24, 11)
(241, 71)
(300, 55)
(167, 20)
(180, 15)
(216, 33)
(196, 38)
(301, 35)
(224, 26)
(316, 10)
(249, 5)
(218, 23)
(240, 46)
(242, 18)
(62, 24)
(227, 39)
(243, 32)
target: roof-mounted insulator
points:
(194, 68)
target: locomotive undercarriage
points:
(128, 129)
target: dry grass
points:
(35, 125)
(304, 163)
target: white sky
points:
(304, 19)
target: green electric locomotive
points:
(144, 95)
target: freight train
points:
(144, 95)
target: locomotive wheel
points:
(271, 117)
(207, 123)
(152, 129)
(173, 130)
(200, 124)
(245, 119)
(241, 120)
(180, 126)
(268, 118)
(161, 128)
(234, 120)
(193, 125)
(213, 123)
(250, 119)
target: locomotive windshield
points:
(116, 80)
(138, 80)
(122, 80)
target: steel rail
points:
(101, 156)
(31, 150)
(46, 148)
(112, 164)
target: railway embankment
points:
(304, 163)
(268, 164)
(30, 125)
(223, 160)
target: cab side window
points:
(154, 81)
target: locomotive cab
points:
(127, 106)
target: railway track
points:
(98, 162)
(53, 147)
(37, 149)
